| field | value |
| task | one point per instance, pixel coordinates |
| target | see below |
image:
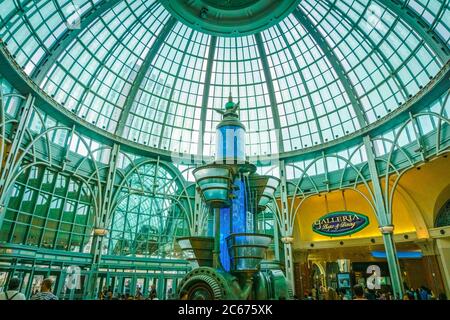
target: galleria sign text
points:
(340, 223)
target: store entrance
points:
(318, 281)
(341, 269)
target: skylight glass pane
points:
(383, 57)
(166, 112)
(93, 77)
(364, 58)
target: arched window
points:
(443, 216)
(149, 215)
(49, 209)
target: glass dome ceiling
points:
(324, 71)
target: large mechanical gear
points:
(204, 283)
(202, 287)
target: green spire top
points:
(230, 109)
(230, 104)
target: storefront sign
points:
(340, 223)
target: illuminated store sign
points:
(340, 223)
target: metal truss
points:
(420, 26)
(205, 95)
(142, 72)
(48, 60)
(321, 42)
(271, 90)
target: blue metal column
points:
(224, 232)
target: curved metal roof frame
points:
(23, 83)
(359, 111)
(48, 60)
(141, 73)
(419, 25)
(432, 90)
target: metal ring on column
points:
(287, 240)
(387, 229)
(100, 232)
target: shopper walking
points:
(13, 292)
(46, 291)
(152, 294)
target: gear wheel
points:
(201, 285)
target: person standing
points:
(46, 291)
(359, 292)
(138, 295)
(442, 296)
(423, 293)
(13, 292)
(314, 293)
(170, 294)
(153, 295)
(332, 295)
(369, 294)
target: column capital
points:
(287, 239)
(386, 229)
(100, 232)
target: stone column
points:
(443, 246)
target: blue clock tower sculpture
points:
(231, 264)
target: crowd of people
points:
(107, 294)
(13, 291)
(358, 292)
(422, 293)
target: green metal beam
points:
(9, 167)
(14, 13)
(271, 90)
(101, 217)
(142, 72)
(172, 90)
(30, 27)
(302, 77)
(205, 96)
(10, 70)
(384, 221)
(336, 64)
(375, 47)
(429, 36)
(111, 51)
(48, 60)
